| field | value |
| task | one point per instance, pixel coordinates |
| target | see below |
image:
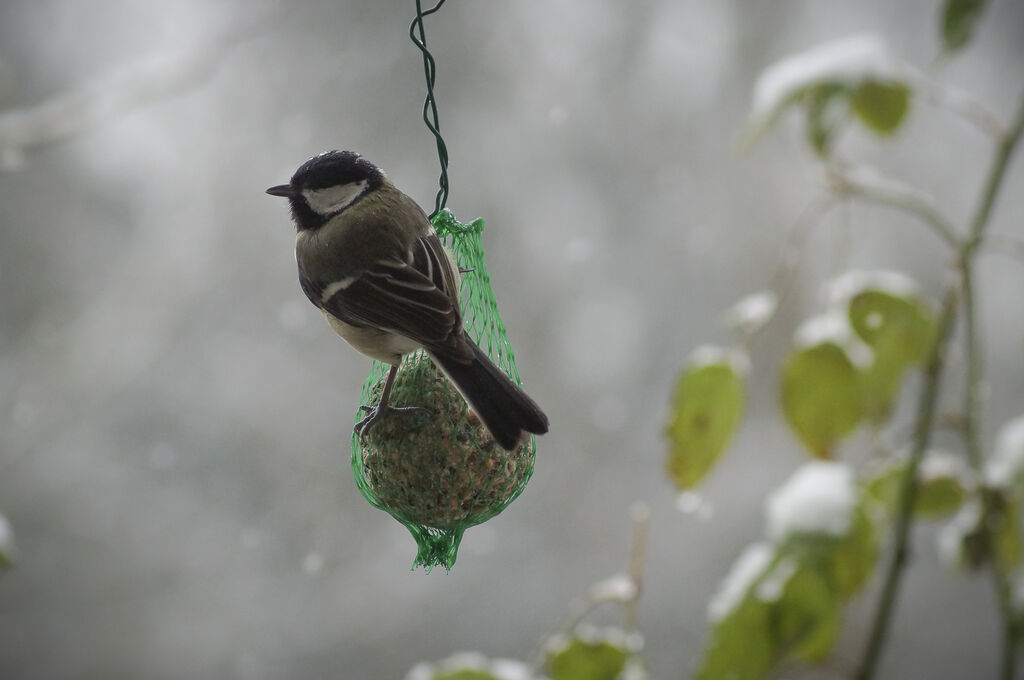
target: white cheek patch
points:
(332, 199)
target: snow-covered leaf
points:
(817, 501)
(899, 327)
(741, 646)
(471, 666)
(602, 655)
(944, 483)
(745, 571)
(777, 608)
(706, 410)
(827, 80)
(465, 674)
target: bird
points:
(370, 260)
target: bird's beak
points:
(284, 190)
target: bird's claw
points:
(378, 413)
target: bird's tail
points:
(503, 406)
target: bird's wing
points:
(417, 299)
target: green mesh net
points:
(439, 471)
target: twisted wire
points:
(430, 103)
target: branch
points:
(870, 185)
(925, 419)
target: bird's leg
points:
(383, 408)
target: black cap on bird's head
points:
(326, 184)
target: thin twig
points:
(641, 516)
(869, 185)
(1003, 244)
(781, 282)
(962, 104)
(622, 589)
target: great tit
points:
(370, 260)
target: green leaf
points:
(900, 331)
(823, 116)
(959, 18)
(939, 497)
(790, 610)
(741, 646)
(1008, 549)
(854, 559)
(821, 396)
(806, 617)
(883, 487)
(588, 660)
(819, 80)
(7, 549)
(900, 327)
(706, 411)
(940, 493)
(881, 106)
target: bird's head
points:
(326, 185)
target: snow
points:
(711, 355)
(950, 538)
(940, 464)
(834, 326)
(505, 669)
(6, 537)
(818, 499)
(771, 586)
(847, 61)
(753, 311)
(690, 503)
(840, 290)
(620, 588)
(1006, 466)
(754, 560)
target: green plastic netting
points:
(438, 471)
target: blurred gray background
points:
(175, 417)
